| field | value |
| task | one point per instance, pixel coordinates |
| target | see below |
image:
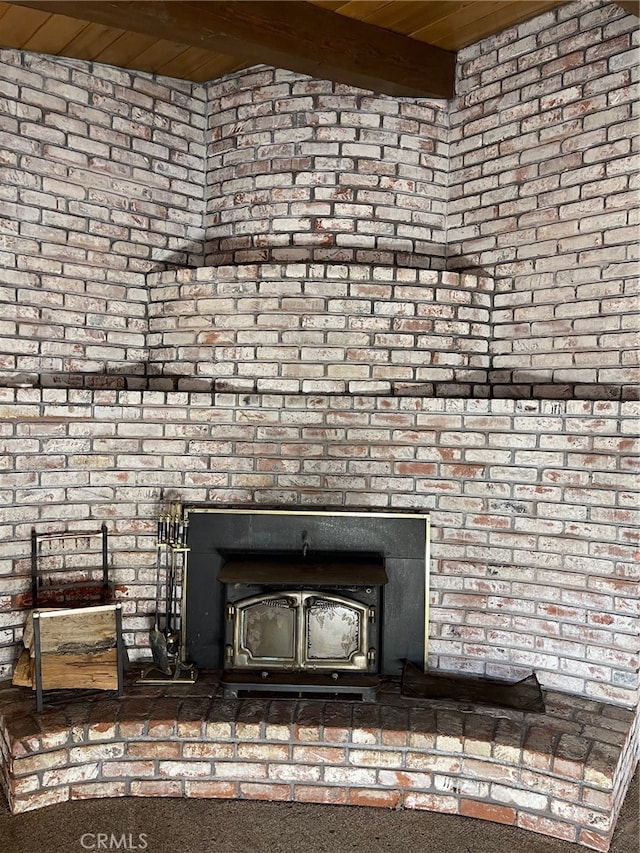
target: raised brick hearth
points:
(562, 773)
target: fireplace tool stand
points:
(168, 666)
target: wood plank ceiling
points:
(402, 47)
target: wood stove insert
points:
(370, 569)
(302, 621)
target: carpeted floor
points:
(221, 826)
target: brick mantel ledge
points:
(563, 773)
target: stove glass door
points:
(333, 630)
(301, 630)
(266, 632)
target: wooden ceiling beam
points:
(632, 7)
(293, 35)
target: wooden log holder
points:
(77, 647)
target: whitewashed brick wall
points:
(533, 502)
(533, 510)
(108, 182)
(302, 169)
(101, 179)
(321, 328)
(544, 193)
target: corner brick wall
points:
(105, 174)
(302, 169)
(533, 508)
(534, 518)
(101, 180)
(544, 194)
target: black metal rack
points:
(38, 572)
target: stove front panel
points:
(401, 540)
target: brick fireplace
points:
(274, 291)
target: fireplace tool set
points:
(165, 643)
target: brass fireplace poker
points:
(166, 647)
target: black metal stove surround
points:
(305, 601)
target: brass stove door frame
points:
(239, 656)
